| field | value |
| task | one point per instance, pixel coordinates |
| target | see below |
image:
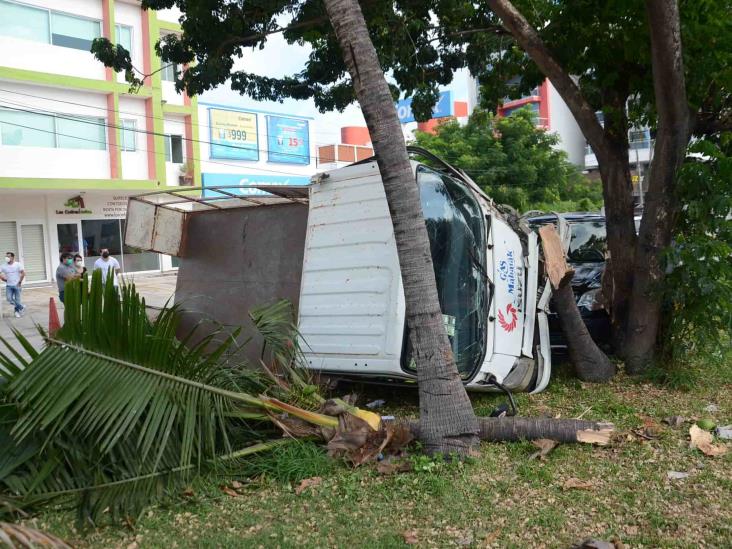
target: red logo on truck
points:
(510, 312)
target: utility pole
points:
(640, 177)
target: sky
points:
(279, 58)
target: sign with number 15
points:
(233, 134)
(288, 140)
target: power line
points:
(519, 185)
(81, 118)
(292, 174)
(151, 117)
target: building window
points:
(128, 135)
(80, 133)
(24, 22)
(50, 27)
(26, 129)
(174, 149)
(73, 32)
(124, 37)
(169, 72)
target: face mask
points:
(69, 261)
(105, 255)
(7, 259)
(79, 262)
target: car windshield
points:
(456, 230)
(588, 241)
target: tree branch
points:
(534, 46)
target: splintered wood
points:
(557, 269)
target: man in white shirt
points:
(105, 263)
(12, 273)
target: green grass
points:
(501, 499)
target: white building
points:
(552, 114)
(75, 142)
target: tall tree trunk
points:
(618, 197)
(613, 162)
(672, 139)
(447, 421)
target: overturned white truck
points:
(329, 248)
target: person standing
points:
(79, 265)
(65, 272)
(12, 273)
(105, 263)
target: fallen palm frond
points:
(17, 535)
(116, 412)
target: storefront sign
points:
(288, 140)
(233, 135)
(110, 207)
(74, 206)
(442, 109)
(229, 179)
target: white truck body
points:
(239, 250)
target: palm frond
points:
(116, 411)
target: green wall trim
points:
(70, 82)
(169, 26)
(43, 183)
(197, 181)
(157, 95)
(185, 110)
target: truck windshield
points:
(456, 230)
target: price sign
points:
(233, 134)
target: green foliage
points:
(698, 288)
(290, 463)
(514, 162)
(116, 412)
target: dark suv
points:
(586, 255)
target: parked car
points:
(586, 255)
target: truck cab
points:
(351, 306)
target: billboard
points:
(233, 135)
(442, 108)
(288, 140)
(227, 179)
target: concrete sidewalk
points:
(155, 288)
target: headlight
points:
(591, 300)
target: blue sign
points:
(442, 109)
(233, 134)
(288, 140)
(228, 179)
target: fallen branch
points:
(589, 362)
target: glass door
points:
(98, 234)
(68, 238)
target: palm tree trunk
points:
(669, 151)
(447, 420)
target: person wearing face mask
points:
(79, 265)
(105, 263)
(65, 272)
(12, 273)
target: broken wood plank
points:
(558, 271)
